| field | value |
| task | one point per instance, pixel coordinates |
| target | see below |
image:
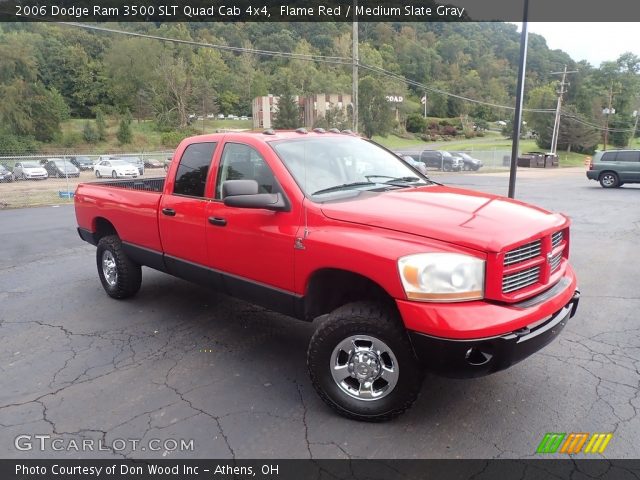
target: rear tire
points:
(366, 343)
(120, 276)
(609, 180)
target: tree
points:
(124, 134)
(288, 114)
(375, 113)
(620, 130)
(101, 125)
(574, 135)
(89, 133)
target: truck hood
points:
(476, 220)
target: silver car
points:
(29, 171)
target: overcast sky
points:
(594, 42)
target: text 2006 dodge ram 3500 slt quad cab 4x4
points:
(402, 273)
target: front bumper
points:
(477, 357)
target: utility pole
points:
(561, 92)
(635, 127)
(354, 51)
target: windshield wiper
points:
(336, 188)
(395, 180)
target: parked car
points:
(135, 161)
(221, 116)
(83, 163)
(421, 167)
(468, 162)
(399, 274)
(115, 169)
(614, 168)
(29, 171)
(244, 117)
(441, 159)
(6, 175)
(153, 163)
(57, 167)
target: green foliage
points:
(101, 125)
(288, 114)
(70, 139)
(416, 123)
(172, 139)
(11, 144)
(376, 116)
(620, 130)
(124, 134)
(89, 133)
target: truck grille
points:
(516, 281)
(533, 263)
(522, 253)
(556, 239)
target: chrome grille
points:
(522, 279)
(555, 262)
(525, 252)
(556, 239)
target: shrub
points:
(89, 133)
(172, 139)
(416, 123)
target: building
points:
(312, 107)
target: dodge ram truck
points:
(402, 274)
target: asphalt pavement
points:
(179, 362)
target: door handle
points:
(220, 222)
(169, 212)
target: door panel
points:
(181, 217)
(254, 244)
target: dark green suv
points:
(614, 168)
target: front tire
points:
(119, 275)
(609, 180)
(98, 174)
(362, 364)
(114, 174)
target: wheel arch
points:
(102, 227)
(330, 288)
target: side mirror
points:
(244, 194)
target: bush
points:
(71, 139)
(124, 134)
(16, 145)
(89, 133)
(172, 139)
(416, 123)
(450, 130)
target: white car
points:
(29, 171)
(115, 169)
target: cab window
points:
(242, 162)
(191, 176)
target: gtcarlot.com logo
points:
(573, 443)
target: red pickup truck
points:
(401, 273)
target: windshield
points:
(62, 163)
(30, 165)
(119, 163)
(322, 166)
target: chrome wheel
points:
(109, 268)
(608, 180)
(364, 367)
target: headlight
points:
(442, 277)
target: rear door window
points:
(627, 156)
(609, 157)
(191, 177)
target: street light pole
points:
(524, 38)
(355, 60)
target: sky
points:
(594, 42)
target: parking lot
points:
(181, 362)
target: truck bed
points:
(146, 184)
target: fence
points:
(16, 193)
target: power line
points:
(299, 56)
